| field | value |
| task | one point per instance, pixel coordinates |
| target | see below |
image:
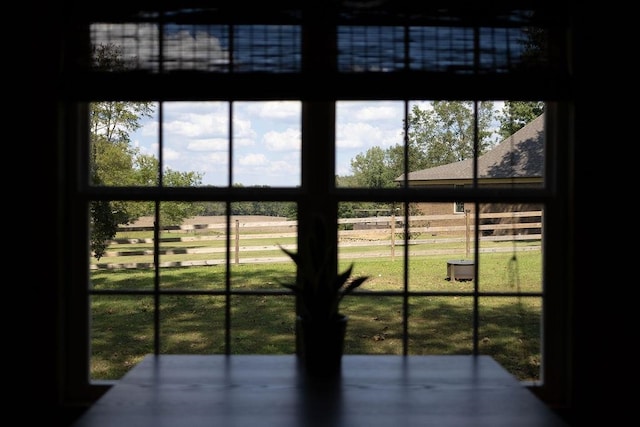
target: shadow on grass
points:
(123, 325)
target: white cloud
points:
(197, 125)
(274, 109)
(290, 139)
(378, 112)
(365, 135)
(243, 132)
(252, 160)
(169, 154)
(212, 144)
(365, 124)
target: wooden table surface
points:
(266, 390)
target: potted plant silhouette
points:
(320, 327)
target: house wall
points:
(448, 208)
(459, 219)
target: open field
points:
(193, 301)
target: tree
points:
(516, 114)
(114, 162)
(372, 169)
(445, 133)
(438, 135)
(145, 171)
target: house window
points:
(458, 207)
(240, 124)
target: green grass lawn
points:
(509, 327)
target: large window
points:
(204, 140)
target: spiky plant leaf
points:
(320, 290)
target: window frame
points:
(317, 192)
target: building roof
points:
(519, 156)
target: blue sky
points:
(266, 138)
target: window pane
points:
(370, 48)
(510, 332)
(123, 138)
(121, 244)
(442, 141)
(255, 253)
(375, 323)
(130, 45)
(440, 246)
(263, 324)
(267, 48)
(121, 333)
(510, 248)
(195, 47)
(440, 325)
(193, 245)
(195, 146)
(442, 48)
(370, 238)
(267, 144)
(192, 324)
(369, 143)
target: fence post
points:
(237, 240)
(393, 234)
(467, 232)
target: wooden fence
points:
(375, 236)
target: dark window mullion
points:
(405, 273)
(319, 47)
(156, 237)
(227, 281)
(476, 232)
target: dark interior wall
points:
(602, 368)
(42, 363)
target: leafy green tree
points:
(516, 114)
(114, 162)
(372, 169)
(103, 220)
(265, 208)
(145, 171)
(438, 135)
(115, 120)
(213, 208)
(346, 181)
(445, 133)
